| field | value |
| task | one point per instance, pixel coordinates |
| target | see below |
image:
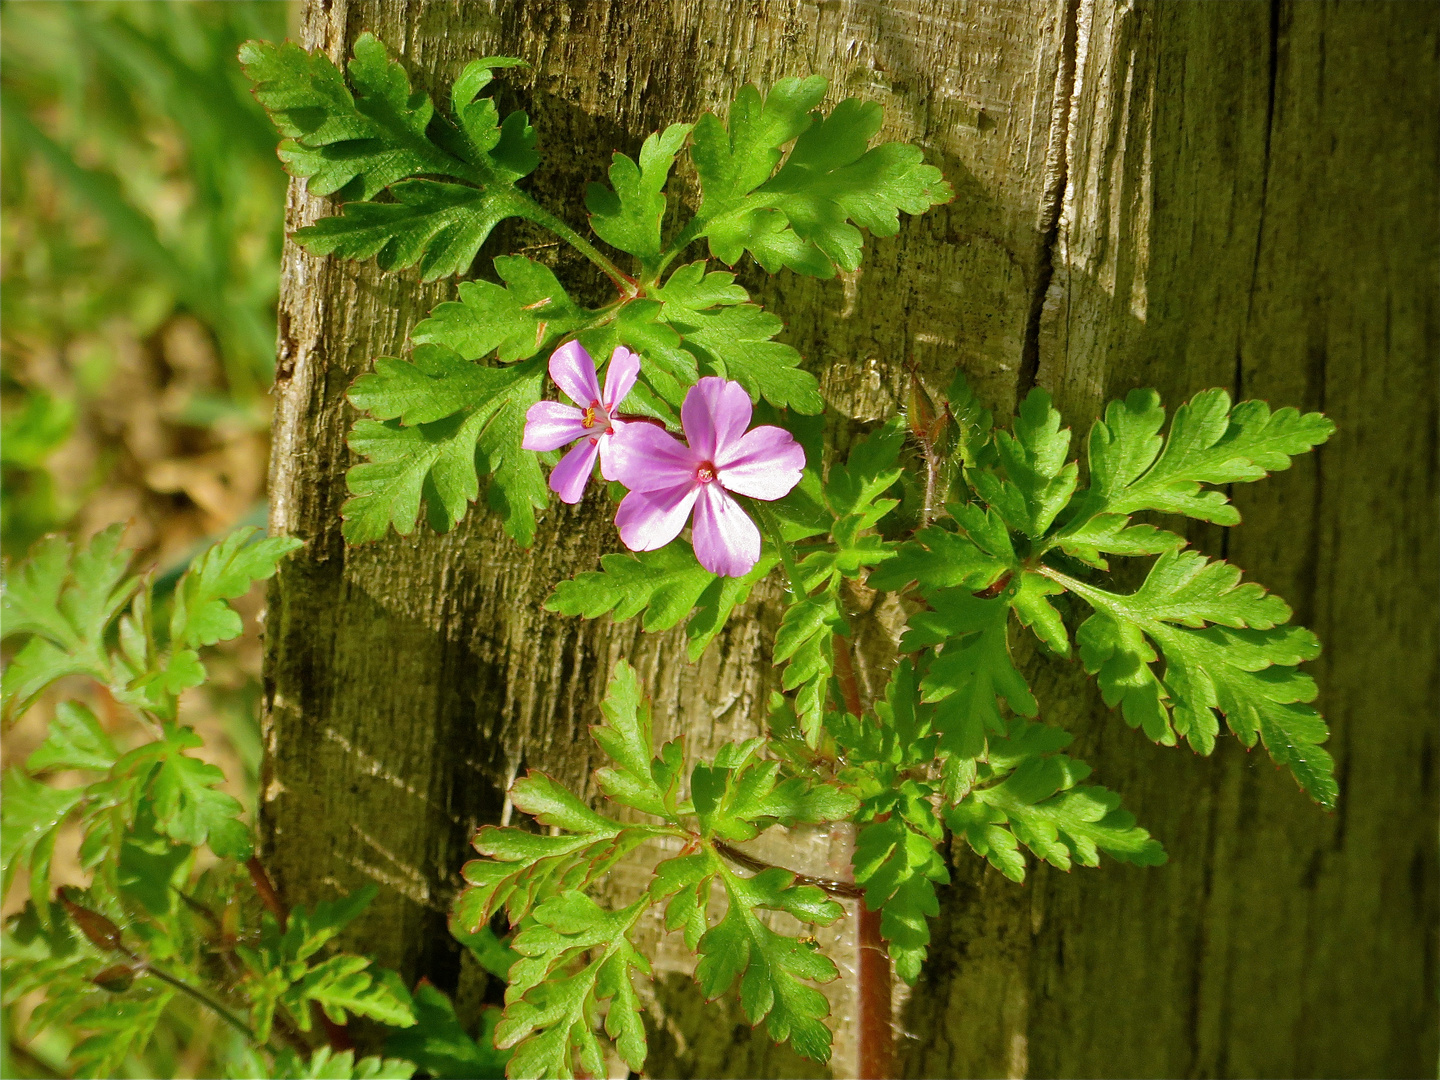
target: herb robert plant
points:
(988, 532)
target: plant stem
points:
(202, 997)
(683, 239)
(787, 556)
(876, 1049)
(268, 896)
(847, 889)
(530, 210)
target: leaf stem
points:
(202, 997)
(683, 239)
(847, 889)
(530, 210)
(787, 554)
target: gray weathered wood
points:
(1168, 195)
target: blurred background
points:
(139, 256)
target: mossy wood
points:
(1176, 196)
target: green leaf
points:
(972, 671)
(1133, 469)
(1226, 650)
(1037, 799)
(772, 969)
(75, 741)
(899, 867)
(548, 1008)
(489, 951)
(635, 780)
(1037, 482)
(186, 804)
(436, 225)
(345, 986)
(34, 811)
(741, 795)
(438, 463)
(223, 572)
(667, 585)
(326, 1064)
(120, 1026)
(629, 216)
(439, 1045)
(870, 470)
(807, 216)
(734, 342)
(380, 137)
(805, 643)
(938, 559)
(308, 930)
(1033, 607)
(515, 320)
(523, 867)
(67, 599)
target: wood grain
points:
(1170, 195)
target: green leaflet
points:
(667, 585)
(439, 1044)
(516, 320)
(629, 216)
(1027, 792)
(772, 969)
(805, 643)
(1132, 468)
(1037, 482)
(972, 671)
(223, 572)
(1226, 650)
(548, 1010)
(66, 599)
(382, 136)
(733, 338)
(807, 216)
(440, 462)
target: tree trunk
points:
(1177, 196)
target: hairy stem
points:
(847, 889)
(204, 999)
(530, 210)
(683, 239)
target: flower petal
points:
(607, 448)
(619, 377)
(726, 540)
(549, 425)
(715, 414)
(646, 457)
(568, 479)
(765, 464)
(574, 372)
(651, 519)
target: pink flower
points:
(667, 479)
(550, 425)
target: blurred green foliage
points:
(139, 184)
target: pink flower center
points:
(705, 473)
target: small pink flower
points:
(550, 425)
(667, 479)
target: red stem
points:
(875, 1052)
(268, 896)
(877, 1038)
